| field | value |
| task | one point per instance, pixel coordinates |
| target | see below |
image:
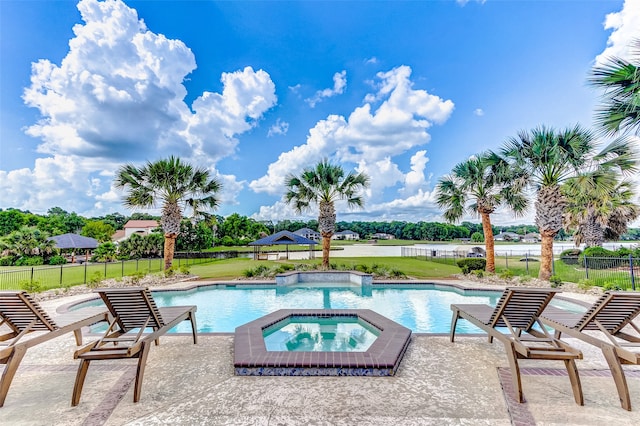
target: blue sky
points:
(256, 90)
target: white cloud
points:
(118, 95)
(415, 179)
(464, 2)
(479, 112)
(626, 29)
(339, 84)
(369, 135)
(371, 60)
(383, 173)
(280, 127)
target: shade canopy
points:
(283, 238)
(74, 241)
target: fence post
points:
(60, 275)
(506, 260)
(31, 275)
(85, 271)
(122, 269)
(526, 261)
(586, 266)
(633, 279)
(105, 269)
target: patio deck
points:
(438, 383)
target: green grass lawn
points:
(232, 268)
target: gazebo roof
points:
(282, 238)
(74, 241)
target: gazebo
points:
(75, 242)
(281, 238)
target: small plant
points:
(168, 273)
(31, 286)
(135, 278)
(555, 281)
(506, 275)
(585, 284)
(611, 286)
(184, 269)
(525, 278)
(94, 280)
(479, 273)
(396, 273)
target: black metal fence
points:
(74, 274)
(608, 272)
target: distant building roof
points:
(118, 235)
(282, 238)
(142, 224)
(73, 241)
(302, 231)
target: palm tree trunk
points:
(546, 258)
(326, 248)
(169, 249)
(488, 242)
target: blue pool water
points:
(315, 334)
(421, 308)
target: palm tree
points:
(620, 79)
(549, 158)
(325, 184)
(600, 208)
(173, 184)
(479, 186)
(600, 199)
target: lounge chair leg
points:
(454, 321)
(78, 335)
(80, 376)
(515, 370)
(10, 371)
(619, 377)
(194, 329)
(574, 377)
(142, 362)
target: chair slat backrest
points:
(613, 310)
(132, 307)
(19, 310)
(521, 306)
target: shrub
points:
(623, 252)
(57, 260)
(555, 281)
(6, 261)
(599, 258)
(479, 273)
(31, 286)
(471, 264)
(570, 256)
(184, 269)
(30, 261)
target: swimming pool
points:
(423, 308)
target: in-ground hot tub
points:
(381, 357)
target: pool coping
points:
(382, 358)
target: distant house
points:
(383, 236)
(140, 227)
(309, 233)
(346, 235)
(531, 237)
(507, 236)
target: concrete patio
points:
(467, 382)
